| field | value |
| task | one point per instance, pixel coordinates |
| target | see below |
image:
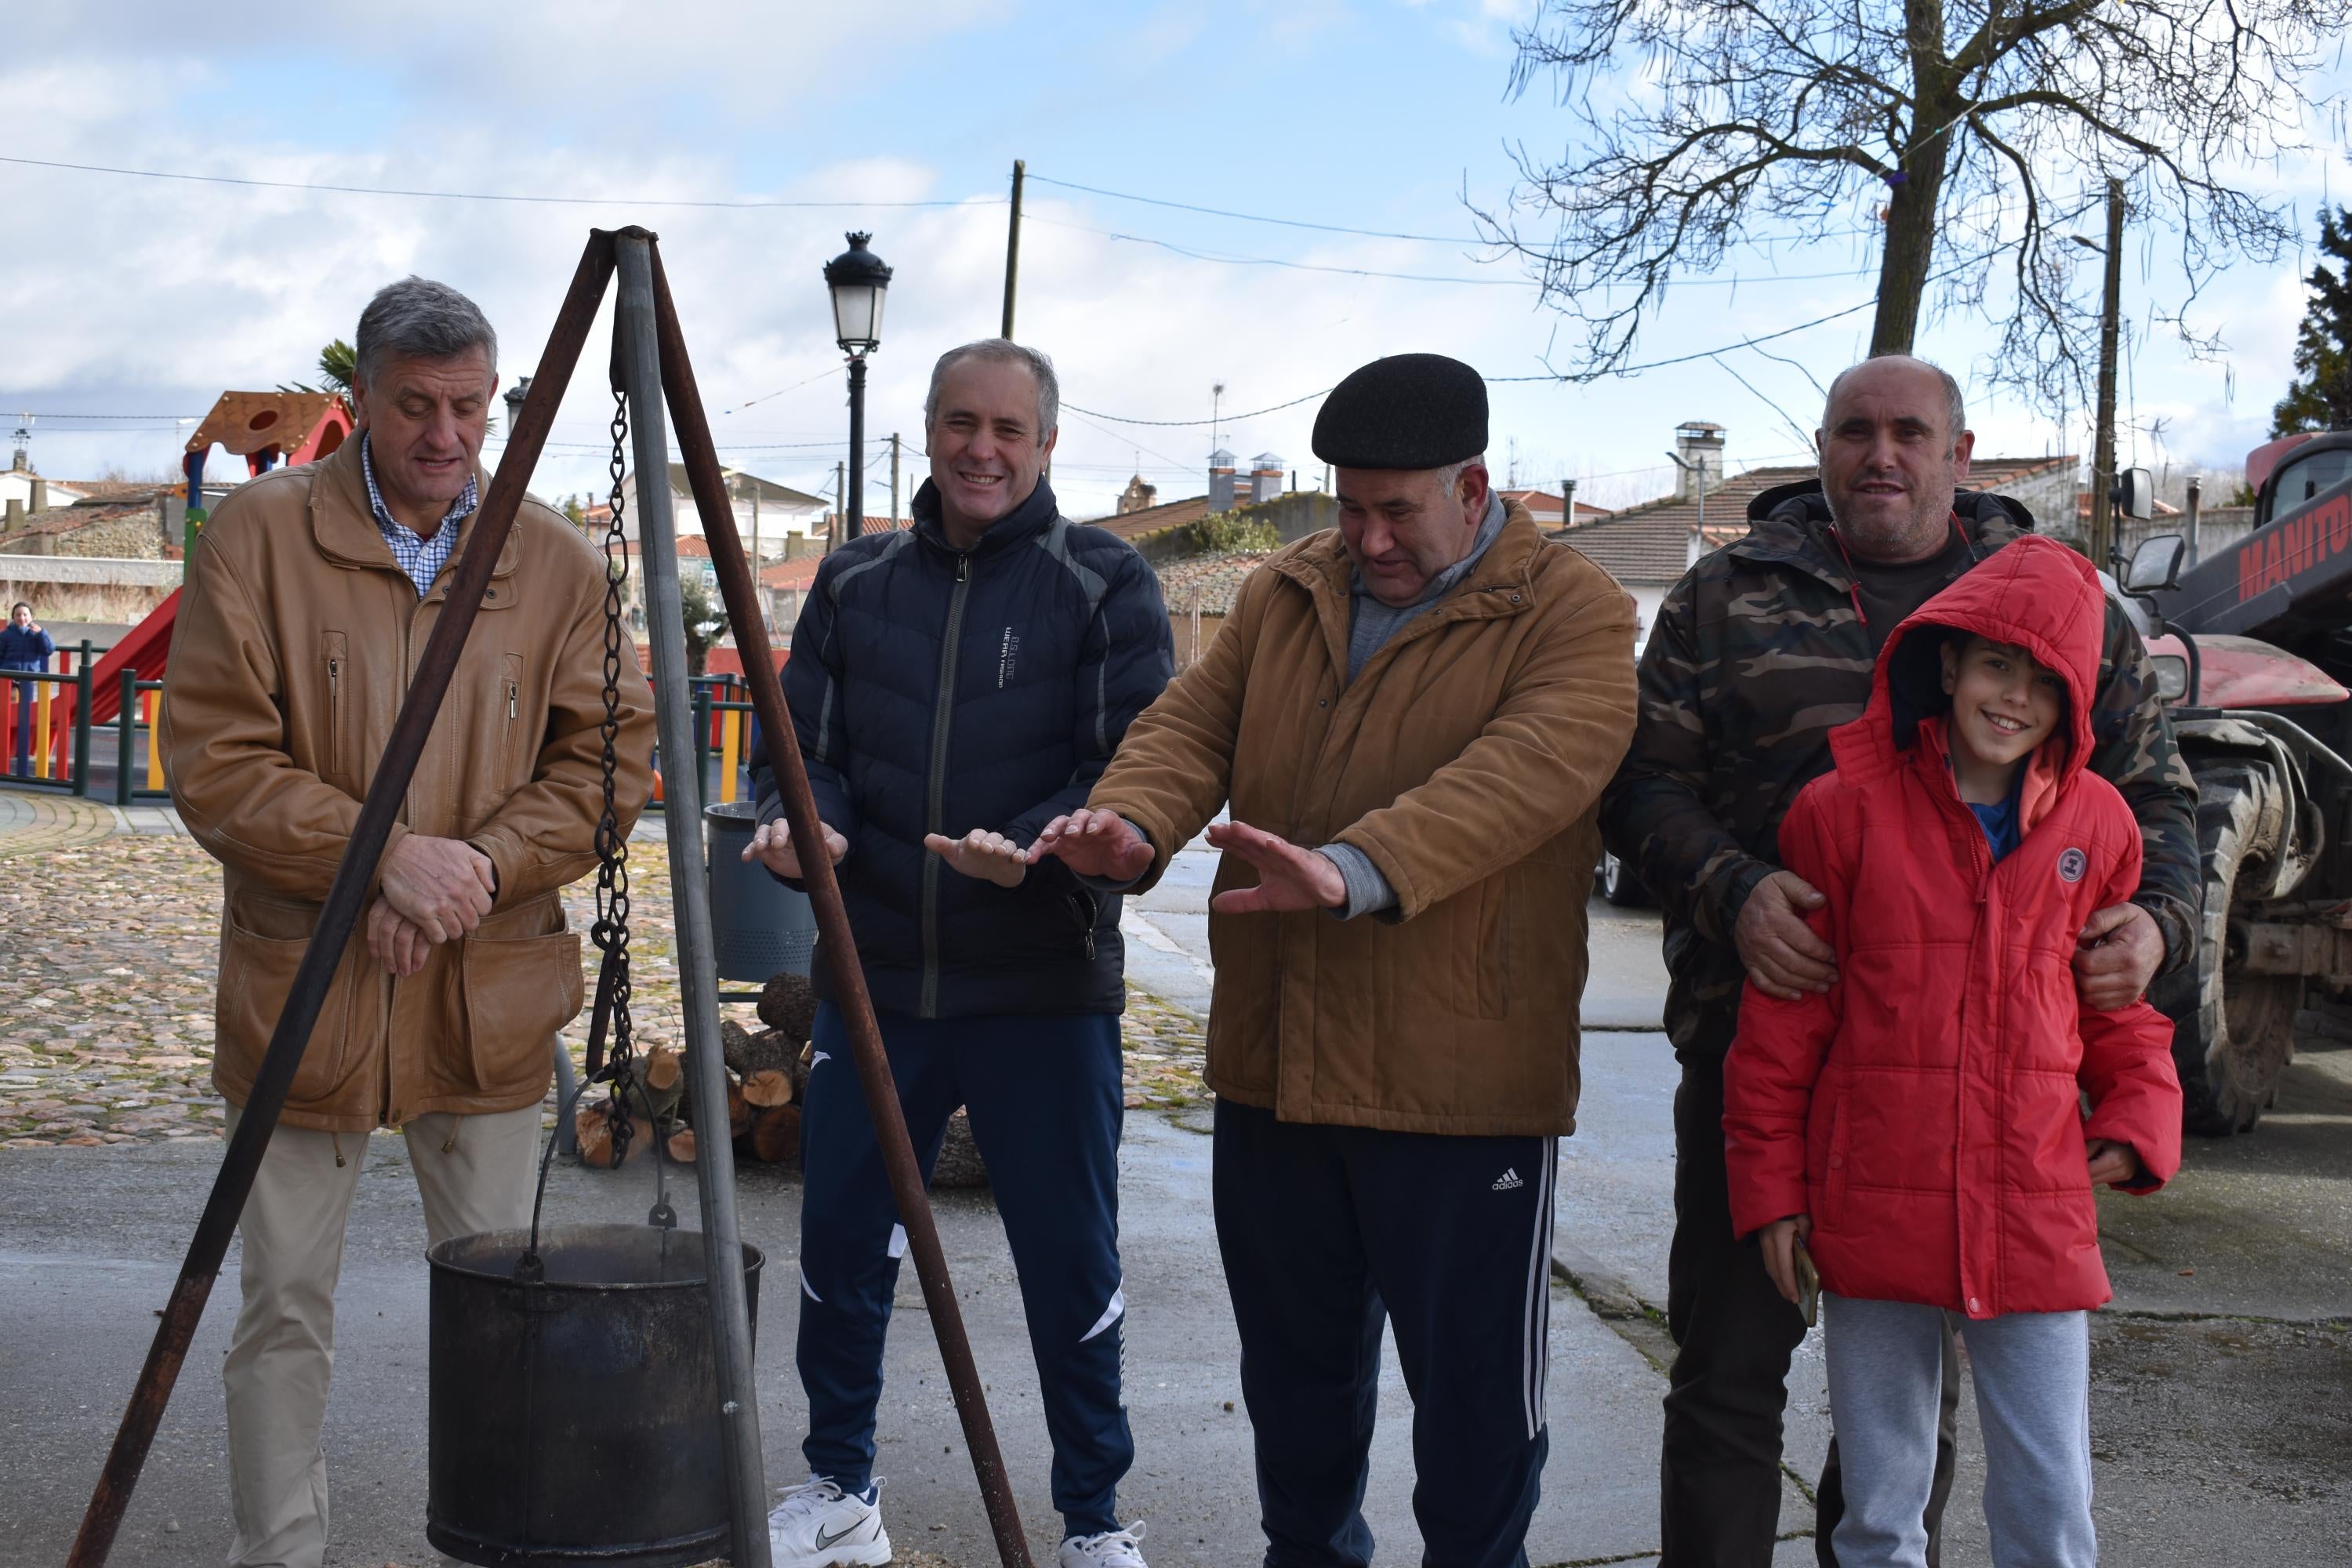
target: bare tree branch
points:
(1700, 127)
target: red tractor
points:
(2252, 648)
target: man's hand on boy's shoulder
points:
(2118, 952)
(2112, 1164)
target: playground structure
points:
(264, 428)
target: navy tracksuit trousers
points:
(1045, 1097)
(1325, 1232)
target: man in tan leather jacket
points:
(1411, 718)
(309, 597)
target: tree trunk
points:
(1912, 200)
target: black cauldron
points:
(574, 1419)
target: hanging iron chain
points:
(611, 931)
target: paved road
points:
(2223, 1421)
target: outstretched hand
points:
(989, 856)
(1288, 877)
(1094, 843)
(772, 846)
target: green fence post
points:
(126, 737)
(82, 693)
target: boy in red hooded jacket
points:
(1920, 1127)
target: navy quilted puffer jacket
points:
(938, 692)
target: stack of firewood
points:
(767, 1085)
(767, 1076)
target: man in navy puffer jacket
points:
(956, 687)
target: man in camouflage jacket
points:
(1757, 653)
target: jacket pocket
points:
(334, 659)
(519, 990)
(1834, 1186)
(255, 975)
(1494, 955)
(1086, 907)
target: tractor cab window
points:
(2304, 476)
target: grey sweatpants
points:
(2033, 1373)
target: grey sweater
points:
(1370, 625)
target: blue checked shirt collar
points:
(422, 559)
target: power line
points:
(1292, 266)
(473, 196)
(1255, 218)
(1220, 419)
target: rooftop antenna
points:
(1216, 400)
(21, 459)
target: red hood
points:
(2036, 594)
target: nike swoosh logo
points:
(824, 1540)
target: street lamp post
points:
(857, 279)
(515, 394)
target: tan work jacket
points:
(295, 640)
(1465, 760)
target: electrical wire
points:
(739, 205)
(1253, 217)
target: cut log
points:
(789, 1003)
(959, 1162)
(739, 1110)
(776, 1135)
(663, 1069)
(769, 1051)
(682, 1145)
(593, 1125)
(765, 1089)
(801, 1063)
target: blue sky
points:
(144, 297)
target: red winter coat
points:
(1926, 1111)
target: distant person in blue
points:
(25, 646)
(955, 686)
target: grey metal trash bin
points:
(759, 927)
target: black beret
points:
(1407, 411)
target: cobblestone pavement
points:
(107, 947)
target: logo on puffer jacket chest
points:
(2071, 865)
(1007, 651)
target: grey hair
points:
(1002, 351)
(419, 318)
(1450, 474)
(1956, 404)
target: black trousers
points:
(1719, 1467)
(1327, 1232)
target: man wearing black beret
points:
(1411, 718)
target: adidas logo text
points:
(1507, 1180)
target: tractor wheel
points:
(2235, 1031)
(1619, 885)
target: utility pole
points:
(1013, 247)
(894, 478)
(2103, 459)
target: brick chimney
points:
(1221, 480)
(1700, 446)
(1266, 477)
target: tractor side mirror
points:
(2155, 566)
(2135, 494)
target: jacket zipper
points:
(335, 716)
(942, 708)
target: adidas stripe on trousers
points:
(1330, 1232)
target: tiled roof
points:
(1545, 505)
(1215, 578)
(1152, 518)
(1649, 544)
(797, 572)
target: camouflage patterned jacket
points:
(1758, 653)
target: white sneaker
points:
(1111, 1548)
(818, 1525)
